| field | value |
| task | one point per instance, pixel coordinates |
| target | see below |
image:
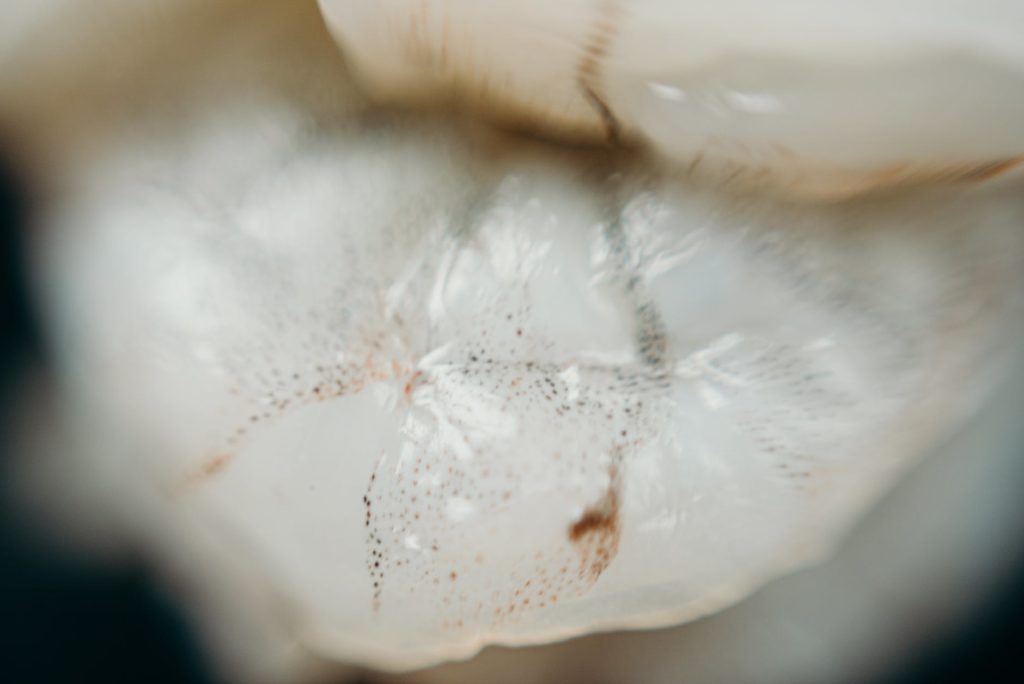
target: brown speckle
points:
(597, 532)
(209, 468)
(411, 384)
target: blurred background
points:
(65, 618)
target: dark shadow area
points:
(986, 649)
(64, 620)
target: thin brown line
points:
(589, 71)
(988, 171)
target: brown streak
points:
(989, 171)
(597, 532)
(592, 521)
(588, 73)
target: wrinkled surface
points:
(429, 388)
(820, 98)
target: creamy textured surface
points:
(820, 98)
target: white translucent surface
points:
(570, 405)
(819, 97)
(270, 301)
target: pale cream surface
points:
(820, 98)
(386, 387)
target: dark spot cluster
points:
(264, 377)
(792, 408)
(567, 420)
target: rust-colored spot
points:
(411, 384)
(601, 518)
(209, 468)
(597, 532)
(593, 521)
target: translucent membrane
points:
(442, 402)
(401, 388)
